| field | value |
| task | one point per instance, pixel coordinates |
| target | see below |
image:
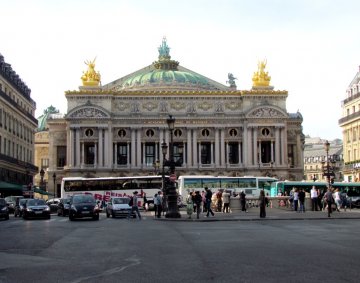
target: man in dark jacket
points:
(302, 200)
(208, 196)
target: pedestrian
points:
(262, 204)
(156, 203)
(329, 200)
(296, 199)
(302, 200)
(337, 199)
(145, 203)
(198, 201)
(320, 199)
(208, 196)
(203, 193)
(226, 201)
(159, 206)
(243, 201)
(291, 198)
(189, 205)
(314, 199)
(219, 201)
(134, 206)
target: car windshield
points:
(2, 202)
(22, 201)
(121, 200)
(33, 202)
(83, 199)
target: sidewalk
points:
(271, 214)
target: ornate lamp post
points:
(328, 170)
(42, 173)
(170, 190)
(54, 179)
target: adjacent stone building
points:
(117, 129)
(17, 132)
(350, 124)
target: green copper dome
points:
(164, 74)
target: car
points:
(36, 208)
(20, 209)
(4, 209)
(11, 202)
(118, 207)
(63, 207)
(53, 204)
(84, 205)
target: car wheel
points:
(48, 217)
(7, 217)
(96, 217)
(59, 213)
(24, 217)
(107, 214)
(71, 217)
(113, 214)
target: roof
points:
(48, 113)
(165, 73)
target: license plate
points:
(86, 212)
(38, 212)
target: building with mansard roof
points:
(17, 133)
(117, 129)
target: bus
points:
(103, 188)
(352, 189)
(249, 184)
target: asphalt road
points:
(119, 250)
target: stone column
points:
(255, 146)
(277, 145)
(195, 148)
(222, 147)
(70, 148)
(138, 148)
(217, 148)
(77, 147)
(189, 156)
(101, 147)
(133, 148)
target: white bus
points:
(103, 188)
(249, 184)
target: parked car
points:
(63, 207)
(53, 204)
(36, 208)
(118, 207)
(20, 209)
(4, 209)
(11, 202)
(83, 205)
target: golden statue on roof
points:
(91, 77)
(261, 78)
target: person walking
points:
(296, 199)
(159, 204)
(328, 199)
(189, 205)
(226, 201)
(208, 196)
(314, 199)
(337, 199)
(219, 202)
(134, 206)
(243, 201)
(262, 204)
(203, 193)
(156, 203)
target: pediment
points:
(88, 112)
(266, 112)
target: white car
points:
(118, 207)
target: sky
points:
(311, 46)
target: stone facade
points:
(118, 129)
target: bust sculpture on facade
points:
(231, 80)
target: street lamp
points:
(170, 189)
(54, 179)
(42, 173)
(328, 170)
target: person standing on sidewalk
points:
(208, 196)
(198, 200)
(243, 201)
(328, 198)
(226, 201)
(262, 204)
(296, 199)
(302, 200)
(314, 199)
(159, 206)
(189, 205)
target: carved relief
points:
(150, 106)
(233, 105)
(205, 105)
(122, 106)
(89, 112)
(266, 112)
(177, 105)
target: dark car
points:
(83, 206)
(19, 210)
(63, 207)
(36, 208)
(11, 202)
(53, 204)
(4, 210)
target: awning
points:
(42, 192)
(9, 186)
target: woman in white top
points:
(337, 199)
